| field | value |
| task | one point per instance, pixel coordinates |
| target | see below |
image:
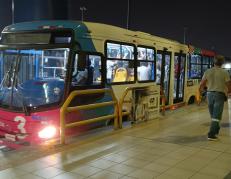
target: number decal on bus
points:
(22, 123)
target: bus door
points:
(179, 77)
(163, 62)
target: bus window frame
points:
(138, 61)
(66, 79)
(40, 31)
(128, 60)
(73, 45)
(190, 66)
(103, 66)
(210, 64)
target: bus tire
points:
(191, 100)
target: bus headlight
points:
(47, 132)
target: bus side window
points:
(120, 62)
(87, 70)
(146, 64)
(80, 73)
(95, 73)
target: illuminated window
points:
(53, 63)
(87, 70)
(120, 63)
(197, 65)
(206, 63)
(145, 65)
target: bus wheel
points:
(191, 100)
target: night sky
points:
(207, 22)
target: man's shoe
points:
(212, 138)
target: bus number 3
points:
(22, 123)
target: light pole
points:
(12, 8)
(128, 13)
(185, 31)
(82, 9)
(213, 48)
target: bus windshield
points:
(32, 78)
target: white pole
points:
(185, 29)
(82, 15)
(128, 12)
(12, 8)
(82, 9)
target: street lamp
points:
(82, 9)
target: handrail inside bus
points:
(66, 109)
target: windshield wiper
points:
(15, 84)
(25, 108)
(15, 71)
(6, 81)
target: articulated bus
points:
(199, 60)
(42, 62)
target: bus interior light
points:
(47, 133)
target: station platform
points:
(175, 146)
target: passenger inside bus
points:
(111, 64)
(144, 72)
(81, 76)
(126, 54)
(141, 54)
(90, 70)
(158, 69)
(84, 73)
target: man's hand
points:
(202, 85)
(228, 84)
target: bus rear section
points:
(199, 60)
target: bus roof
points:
(38, 25)
(83, 27)
(200, 51)
(98, 30)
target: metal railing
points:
(122, 101)
(163, 101)
(66, 109)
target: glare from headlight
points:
(47, 133)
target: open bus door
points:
(179, 77)
(163, 66)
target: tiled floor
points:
(173, 147)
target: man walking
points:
(217, 81)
